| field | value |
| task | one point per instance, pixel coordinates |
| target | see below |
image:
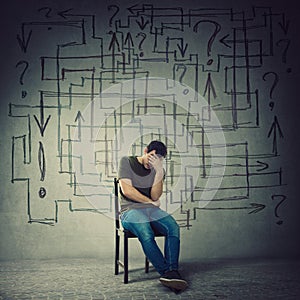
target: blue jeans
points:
(143, 222)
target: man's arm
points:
(125, 182)
(132, 193)
(157, 187)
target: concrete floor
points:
(95, 279)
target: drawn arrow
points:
(254, 207)
(112, 47)
(142, 24)
(284, 24)
(64, 14)
(182, 48)
(41, 123)
(224, 41)
(114, 42)
(263, 164)
(78, 119)
(128, 40)
(209, 87)
(132, 9)
(23, 40)
(274, 128)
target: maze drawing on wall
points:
(101, 83)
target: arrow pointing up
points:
(114, 42)
(128, 40)
(274, 128)
(112, 46)
(78, 118)
(209, 87)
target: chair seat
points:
(129, 234)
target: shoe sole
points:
(176, 284)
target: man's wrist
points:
(159, 175)
(159, 172)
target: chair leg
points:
(117, 253)
(146, 265)
(125, 259)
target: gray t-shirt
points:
(141, 178)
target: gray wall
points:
(79, 89)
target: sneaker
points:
(173, 280)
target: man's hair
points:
(160, 148)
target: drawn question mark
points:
(42, 161)
(281, 199)
(287, 44)
(178, 67)
(275, 81)
(212, 37)
(110, 7)
(141, 42)
(42, 192)
(22, 62)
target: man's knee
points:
(144, 231)
(175, 230)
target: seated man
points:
(141, 182)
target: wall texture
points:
(86, 82)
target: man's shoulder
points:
(128, 158)
(128, 161)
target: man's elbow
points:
(125, 187)
(155, 197)
(126, 192)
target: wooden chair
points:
(126, 234)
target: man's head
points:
(159, 147)
(155, 148)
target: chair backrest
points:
(117, 204)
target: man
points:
(141, 185)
